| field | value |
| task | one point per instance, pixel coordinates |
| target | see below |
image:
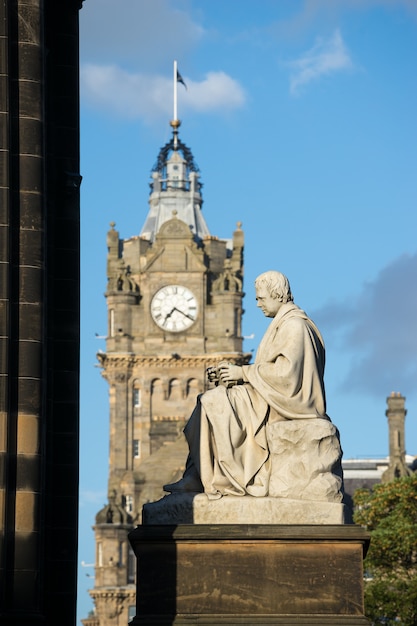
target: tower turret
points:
(175, 186)
(396, 413)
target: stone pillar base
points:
(249, 574)
(250, 620)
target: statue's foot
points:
(186, 484)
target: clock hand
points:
(185, 314)
(178, 311)
(170, 313)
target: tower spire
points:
(175, 183)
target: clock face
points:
(174, 308)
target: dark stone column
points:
(39, 310)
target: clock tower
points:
(174, 298)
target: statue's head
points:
(277, 285)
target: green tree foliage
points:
(389, 512)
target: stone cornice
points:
(164, 418)
(116, 593)
(124, 363)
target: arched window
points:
(158, 397)
(192, 387)
(136, 397)
(111, 322)
(175, 389)
(129, 504)
(131, 566)
(156, 387)
(99, 554)
(136, 448)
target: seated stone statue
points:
(264, 429)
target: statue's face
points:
(269, 305)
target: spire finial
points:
(175, 124)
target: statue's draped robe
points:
(226, 432)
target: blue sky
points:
(301, 117)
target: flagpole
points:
(175, 92)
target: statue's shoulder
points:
(291, 311)
(291, 318)
(294, 317)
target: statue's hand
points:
(230, 373)
(212, 375)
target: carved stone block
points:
(190, 508)
(305, 460)
(250, 574)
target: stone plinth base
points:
(249, 574)
(188, 508)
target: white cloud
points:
(326, 57)
(377, 330)
(216, 92)
(134, 95)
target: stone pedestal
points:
(249, 574)
(191, 508)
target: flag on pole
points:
(180, 79)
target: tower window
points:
(129, 504)
(111, 323)
(136, 397)
(131, 566)
(99, 554)
(136, 448)
(131, 611)
(236, 323)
